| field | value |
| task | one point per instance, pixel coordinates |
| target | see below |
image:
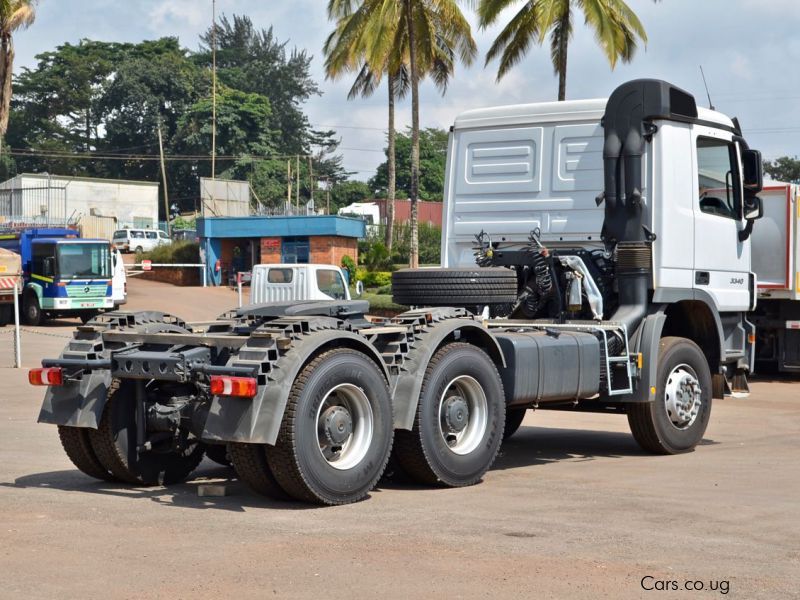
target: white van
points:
(138, 240)
(119, 279)
(290, 282)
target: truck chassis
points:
(141, 397)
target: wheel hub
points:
(337, 425)
(456, 413)
(683, 396)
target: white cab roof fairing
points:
(542, 112)
(545, 112)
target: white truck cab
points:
(677, 201)
(515, 169)
(289, 282)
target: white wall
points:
(73, 198)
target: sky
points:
(749, 50)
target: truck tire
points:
(31, 309)
(460, 417)
(454, 287)
(218, 453)
(514, 418)
(87, 315)
(676, 421)
(114, 443)
(76, 443)
(336, 434)
(250, 463)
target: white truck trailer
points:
(776, 256)
(647, 318)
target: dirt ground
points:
(572, 508)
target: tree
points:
(347, 193)
(14, 14)
(433, 158)
(243, 136)
(615, 26)
(253, 60)
(418, 33)
(784, 168)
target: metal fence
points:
(45, 205)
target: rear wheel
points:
(250, 463)
(218, 453)
(114, 443)
(459, 422)
(336, 435)
(676, 421)
(87, 315)
(78, 447)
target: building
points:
(232, 244)
(427, 212)
(57, 200)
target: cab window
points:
(330, 283)
(280, 276)
(718, 178)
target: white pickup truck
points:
(289, 282)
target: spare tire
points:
(454, 287)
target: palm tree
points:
(14, 14)
(345, 49)
(424, 36)
(615, 26)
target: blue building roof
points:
(257, 227)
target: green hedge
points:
(175, 253)
(374, 279)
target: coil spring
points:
(539, 284)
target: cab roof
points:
(556, 112)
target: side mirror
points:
(752, 171)
(359, 288)
(753, 208)
(49, 266)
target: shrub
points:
(376, 279)
(386, 290)
(349, 265)
(175, 253)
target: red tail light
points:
(50, 376)
(241, 387)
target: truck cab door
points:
(721, 261)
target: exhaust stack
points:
(628, 124)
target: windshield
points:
(84, 260)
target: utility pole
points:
(311, 181)
(297, 191)
(164, 177)
(328, 198)
(289, 185)
(213, 91)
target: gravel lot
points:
(572, 508)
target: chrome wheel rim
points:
(463, 415)
(683, 396)
(345, 426)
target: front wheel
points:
(336, 434)
(514, 418)
(676, 421)
(32, 309)
(460, 418)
